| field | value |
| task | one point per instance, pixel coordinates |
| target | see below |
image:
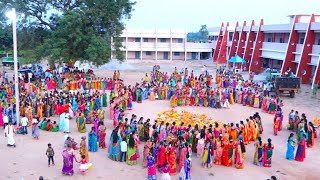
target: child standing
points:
(83, 166)
(123, 148)
(50, 154)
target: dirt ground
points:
(28, 160)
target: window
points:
(280, 40)
(145, 39)
(162, 40)
(269, 39)
(137, 40)
(148, 53)
(137, 55)
(301, 40)
(180, 40)
(176, 53)
(230, 36)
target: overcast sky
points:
(190, 14)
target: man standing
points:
(66, 127)
(9, 132)
(24, 124)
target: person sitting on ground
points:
(49, 126)
(55, 127)
(43, 124)
(20, 129)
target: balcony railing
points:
(276, 47)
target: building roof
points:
(292, 15)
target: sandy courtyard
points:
(28, 160)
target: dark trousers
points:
(124, 156)
(50, 158)
(24, 130)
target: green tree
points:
(200, 36)
(204, 33)
(70, 30)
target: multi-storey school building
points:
(293, 47)
(162, 45)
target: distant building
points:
(292, 47)
(162, 45)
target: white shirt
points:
(5, 119)
(123, 146)
(24, 121)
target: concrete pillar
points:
(141, 39)
(156, 43)
(171, 44)
(185, 44)
(126, 35)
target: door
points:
(194, 55)
(166, 55)
(137, 55)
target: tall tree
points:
(200, 36)
(204, 33)
(74, 29)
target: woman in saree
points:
(115, 140)
(104, 99)
(185, 171)
(258, 155)
(311, 130)
(301, 150)
(101, 113)
(102, 135)
(256, 100)
(231, 97)
(227, 153)
(207, 159)
(267, 153)
(200, 144)
(151, 97)
(239, 154)
(81, 123)
(173, 101)
(172, 157)
(93, 140)
(290, 147)
(183, 153)
(68, 157)
(84, 148)
(161, 155)
(276, 124)
(146, 152)
(132, 156)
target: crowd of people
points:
(168, 147)
(305, 136)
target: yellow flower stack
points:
(186, 117)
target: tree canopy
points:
(200, 36)
(70, 30)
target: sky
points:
(191, 14)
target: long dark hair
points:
(290, 136)
(243, 147)
(260, 142)
(132, 143)
(115, 135)
(269, 143)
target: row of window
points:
(149, 53)
(301, 40)
(163, 40)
